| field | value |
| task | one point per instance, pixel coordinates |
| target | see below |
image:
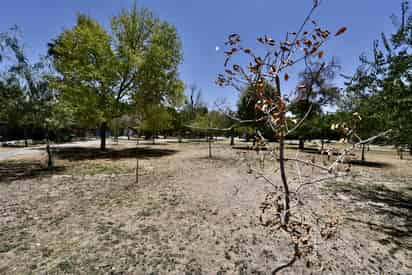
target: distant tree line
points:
(125, 79)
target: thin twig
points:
(350, 149)
(301, 121)
(310, 164)
(320, 180)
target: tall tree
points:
(87, 72)
(12, 101)
(100, 73)
(381, 90)
(27, 90)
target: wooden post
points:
(137, 161)
(137, 169)
(103, 128)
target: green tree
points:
(194, 105)
(87, 73)
(192, 108)
(101, 74)
(380, 90)
(249, 100)
(211, 124)
(12, 101)
(157, 119)
(28, 92)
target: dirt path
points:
(187, 215)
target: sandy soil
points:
(189, 215)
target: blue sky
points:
(203, 25)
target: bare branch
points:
(301, 121)
(310, 164)
(320, 180)
(346, 151)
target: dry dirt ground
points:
(190, 215)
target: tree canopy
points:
(381, 90)
(101, 73)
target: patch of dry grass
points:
(191, 215)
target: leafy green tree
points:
(101, 74)
(213, 120)
(87, 78)
(380, 90)
(11, 101)
(211, 124)
(28, 92)
(247, 110)
(193, 106)
(248, 102)
(187, 113)
(157, 119)
(158, 79)
(357, 100)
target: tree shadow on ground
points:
(20, 170)
(393, 207)
(84, 153)
(372, 164)
(225, 159)
(249, 148)
(355, 162)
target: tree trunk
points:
(154, 139)
(363, 152)
(210, 147)
(322, 145)
(232, 138)
(401, 153)
(103, 128)
(26, 144)
(49, 153)
(179, 137)
(137, 162)
(301, 144)
(49, 156)
(410, 149)
(286, 202)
